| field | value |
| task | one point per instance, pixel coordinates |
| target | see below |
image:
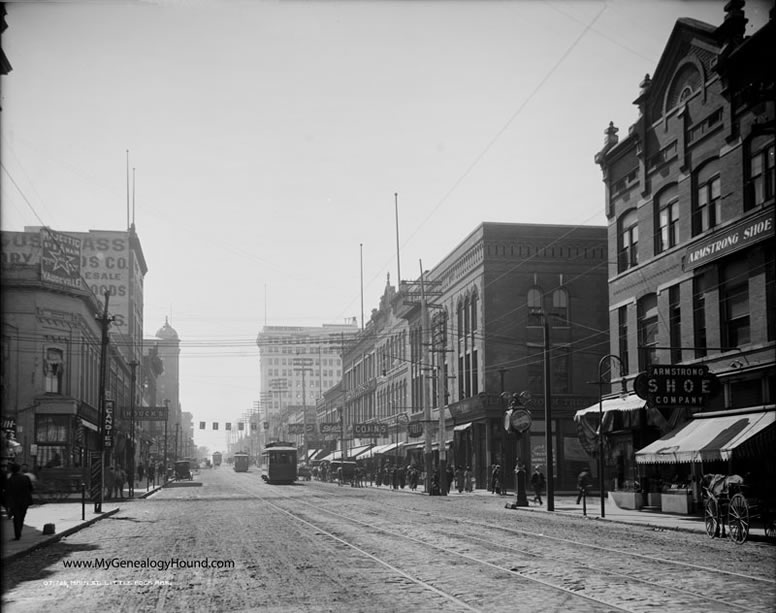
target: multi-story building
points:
(52, 341)
(488, 302)
(297, 365)
(690, 205)
(162, 389)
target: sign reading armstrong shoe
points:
(670, 386)
(729, 240)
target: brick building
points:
(690, 209)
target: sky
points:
(267, 139)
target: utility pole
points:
(424, 334)
(441, 384)
(166, 420)
(133, 365)
(548, 415)
(105, 430)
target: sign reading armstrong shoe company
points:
(729, 240)
(671, 386)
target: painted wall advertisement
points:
(99, 258)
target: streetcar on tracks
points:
(241, 462)
(278, 463)
(217, 457)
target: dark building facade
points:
(487, 303)
(690, 209)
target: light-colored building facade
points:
(297, 365)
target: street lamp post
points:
(601, 382)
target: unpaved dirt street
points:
(236, 544)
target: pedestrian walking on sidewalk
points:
(140, 472)
(118, 484)
(584, 481)
(538, 483)
(18, 491)
(150, 475)
(110, 482)
(467, 479)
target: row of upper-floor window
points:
(706, 203)
(661, 341)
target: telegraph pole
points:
(133, 365)
(427, 452)
(106, 435)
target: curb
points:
(59, 535)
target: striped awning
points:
(714, 436)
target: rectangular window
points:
(622, 334)
(699, 315)
(535, 370)
(675, 324)
(560, 370)
(648, 331)
(475, 374)
(708, 212)
(461, 379)
(762, 176)
(734, 307)
(53, 369)
(668, 232)
(629, 249)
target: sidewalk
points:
(566, 505)
(66, 517)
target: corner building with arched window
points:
(487, 301)
(690, 209)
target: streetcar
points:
(278, 463)
(241, 462)
(217, 459)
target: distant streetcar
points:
(278, 463)
(241, 462)
(217, 458)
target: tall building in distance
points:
(297, 365)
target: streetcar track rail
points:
(574, 593)
(601, 548)
(524, 574)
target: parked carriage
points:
(732, 504)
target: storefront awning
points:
(462, 427)
(714, 436)
(631, 402)
(357, 452)
(381, 449)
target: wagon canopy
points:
(715, 436)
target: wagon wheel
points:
(738, 519)
(711, 517)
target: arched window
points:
(667, 219)
(707, 208)
(560, 306)
(628, 241)
(535, 307)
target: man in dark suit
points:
(18, 491)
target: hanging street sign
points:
(671, 386)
